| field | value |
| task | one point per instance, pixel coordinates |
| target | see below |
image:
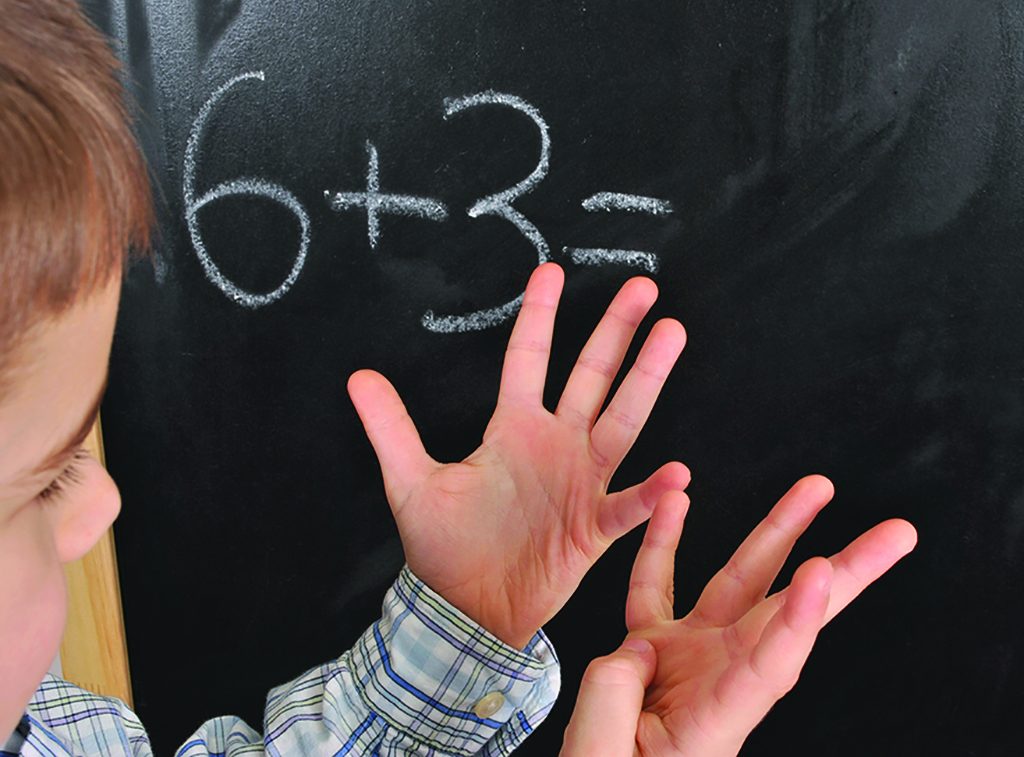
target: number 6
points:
(244, 186)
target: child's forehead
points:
(51, 395)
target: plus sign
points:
(376, 203)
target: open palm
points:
(705, 681)
(507, 534)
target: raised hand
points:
(507, 534)
(708, 679)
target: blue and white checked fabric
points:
(411, 685)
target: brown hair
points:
(74, 191)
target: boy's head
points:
(73, 199)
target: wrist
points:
(513, 637)
(498, 622)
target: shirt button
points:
(489, 704)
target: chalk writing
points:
(243, 186)
(600, 256)
(609, 201)
(499, 204)
(377, 203)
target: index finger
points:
(526, 357)
(651, 583)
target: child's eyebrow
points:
(62, 450)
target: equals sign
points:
(617, 202)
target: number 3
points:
(499, 204)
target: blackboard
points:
(841, 235)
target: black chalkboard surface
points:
(834, 210)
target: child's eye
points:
(70, 476)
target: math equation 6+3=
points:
(375, 202)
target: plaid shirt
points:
(424, 679)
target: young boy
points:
(501, 540)
(495, 545)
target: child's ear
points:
(83, 513)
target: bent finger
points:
(609, 703)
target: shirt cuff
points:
(430, 671)
(13, 745)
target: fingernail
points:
(640, 646)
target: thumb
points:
(403, 461)
(610, 699)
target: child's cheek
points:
(33, 607)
